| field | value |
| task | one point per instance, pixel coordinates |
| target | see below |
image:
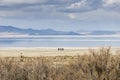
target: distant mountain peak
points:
(31, 31)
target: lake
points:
(60, 41)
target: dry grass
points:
(99, 65)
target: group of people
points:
(60, 49)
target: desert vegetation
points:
(98, 65)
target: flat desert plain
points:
(48, 51)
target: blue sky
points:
(66, 15)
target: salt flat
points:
(47, 51)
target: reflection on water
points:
(7, 41)
(52, 41)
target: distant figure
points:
(60, 49)
(21, 57)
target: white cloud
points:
(110, 2)
(111, 5)
(72, 16)
(77, 4)
(83, 6)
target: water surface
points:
(60, 41)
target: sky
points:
(65, 15)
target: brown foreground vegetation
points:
(99, 65)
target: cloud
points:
(56, 2)
(83, 6)
(112, 5)
(53, 8)
(14, 2)
(72, 16)
(111, 2)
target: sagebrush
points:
(98, 65)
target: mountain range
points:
(15, 30)
(10, 30)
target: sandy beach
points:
(46, 51)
